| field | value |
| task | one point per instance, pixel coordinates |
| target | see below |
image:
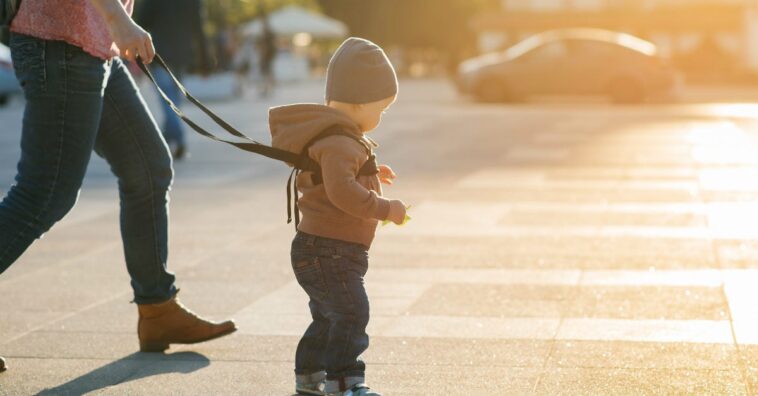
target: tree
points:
(438, 24)
(234, 12)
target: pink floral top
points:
(76, 22)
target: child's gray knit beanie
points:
(359, 72)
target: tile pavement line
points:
(595, 208)
(699, 278)
(663, 331)
(387, 321)
(493, 328)
(66, 316)
(741, 360)
(739, 291)
(741, 294)
(407, 287)
(116, 243)
(554, 340)
(448, 229)
(67, 261)
(724, 278)
(489, 183)
(484, 220)
(117, 295)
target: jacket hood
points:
(293, 126)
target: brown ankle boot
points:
(171, 322)
(3, 367)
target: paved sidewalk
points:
(555, 248)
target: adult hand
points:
(132, 40)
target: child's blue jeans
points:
(331, 273)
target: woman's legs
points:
(130, 141)
(65, 118)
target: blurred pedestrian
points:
(267, 54)
(177, 30)
(223, 45)
(80, 97)
(244, 61)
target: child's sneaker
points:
(357, 390)
(311, 384)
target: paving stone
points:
(752, 378)
(649, 303)
(575, 302)
(548, 252)
(642, 355)
(594, 381)
(494, 301)
(749, 354)
(181, 373)
(564, 219)
(737, 253)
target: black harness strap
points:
(369, 168)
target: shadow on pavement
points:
(129, 368)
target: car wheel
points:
(627, 91)
(492, 91)
(4, 100)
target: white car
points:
(577, 61)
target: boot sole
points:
(153, 347)
(162, 346)
(308, 392)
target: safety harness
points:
(369, 167)
(301, 162)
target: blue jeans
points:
(331, 273)
(77, 103)
(173, 130)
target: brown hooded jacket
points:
(345, 206)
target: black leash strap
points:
(299, 162)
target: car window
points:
(602, 50)
(548, 52)
(592, 48)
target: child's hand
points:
(397, 212)
(386, 175)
